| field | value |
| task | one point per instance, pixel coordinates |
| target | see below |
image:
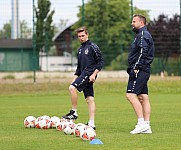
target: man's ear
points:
(142, 23)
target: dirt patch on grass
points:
(68, 80)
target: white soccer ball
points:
(79, 128)
(54, 120)
(38, 119)
(46, 117)
(29, 122)
(60, 125)
(88, 133)
(44, 123)
(69, 128)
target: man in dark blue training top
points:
(139, 61)
(90, 62)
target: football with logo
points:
(44, 123)
(54, 120)
(37, 122)
(79, 128)
(29, 122)
(60, 125)
(69, 128)
(88, 133)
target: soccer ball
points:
(44, 123)
(69, 128)
(45, 117)
(37, 122)
(79, 128)
(29, 122)
(54, 120)
(60, 125)
(88, 133)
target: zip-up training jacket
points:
(89, 59)
(142, 51)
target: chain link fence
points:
(108, 22)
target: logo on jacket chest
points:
(86, 51)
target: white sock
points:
(147, 122)
(141, 121)
(91, 123)
(75, 113)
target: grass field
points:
(114, 119)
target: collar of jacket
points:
(87, 42)
(141, 29)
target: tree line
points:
(109, 25)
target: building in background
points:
(17, 55)
(64, 61)
(63, 41)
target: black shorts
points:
(137, 82)
(82, 84)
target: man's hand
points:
(92, 78)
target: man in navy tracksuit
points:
(90, 62)
(139, 61)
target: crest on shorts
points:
(86, 51)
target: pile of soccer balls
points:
(67, 126)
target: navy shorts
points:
(82, 84)
(137, 82)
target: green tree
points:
(108, 22)
(142, 12)
(25, 31)
(5, 32)
(165, 32)
(119, 63)
(44, 27)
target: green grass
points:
(114, 117)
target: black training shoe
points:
(70, 115)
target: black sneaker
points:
(70, 115)
(90, 126)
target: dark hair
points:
(141, 17)
(81, 29)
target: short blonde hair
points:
(81, 29)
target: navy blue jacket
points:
(142, 51)
(89, 59)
